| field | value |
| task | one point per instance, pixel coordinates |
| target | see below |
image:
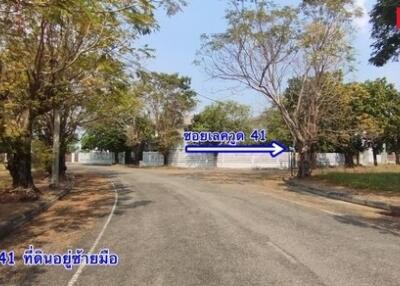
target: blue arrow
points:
(273, 148)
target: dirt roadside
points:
(61, 226)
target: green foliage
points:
(167, 99)
(105, 138)
(341, 129)
(223, 116)
(381, 182)
(61, 54)
(392, 130)
(381, 114)
(384, 32)
(321, 114)
(272, 120)
(376, 108)
(141, 131)
(41, 156)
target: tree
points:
(51, 51)
(110, 102)
(272, 120)
(377, 108)
(140, 136)
(384, 32)
(105, 138)
(342, 128)
(44, 129)
(167, 99)
(392, 131)
(264, 46)
(223, 116)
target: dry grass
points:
(9, 195)
(385, 178)
(39, 177)
(360, 169)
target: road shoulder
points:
(387, 203)
(60, 227)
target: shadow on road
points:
(383, 225)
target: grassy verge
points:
(379, 179)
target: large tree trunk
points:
(19, 166)
(128, 157)
(55, 170)
(63, 165)
(349, 159)
(375, 155)
(116, 157)
(314, 163)
(397, 155)
(20, 158)
(138, 153)
(305, 162)
(165, 153)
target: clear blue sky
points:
(178, 40)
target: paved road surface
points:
(171, 230)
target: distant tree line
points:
(361, 116)
(296, 57)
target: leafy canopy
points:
(223, 116)
(387, 37)
(166, 99)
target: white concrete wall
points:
(330, 159)
(121, 158)
(95, 158)
(152, 159)
(367, 158)
(179, 158)
(252, 161)
(265, 161)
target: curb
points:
(16, 221)
(395, 209)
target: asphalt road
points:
(174, 230)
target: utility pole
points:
(55, 170)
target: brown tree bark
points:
(165, 153)
(19, 166)
(138, 153)
(19, 160)
(349, 159)
(116, 157)
(305, 162)
(375, 155)
(63, 165)
(128, 157)
(397, 155)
